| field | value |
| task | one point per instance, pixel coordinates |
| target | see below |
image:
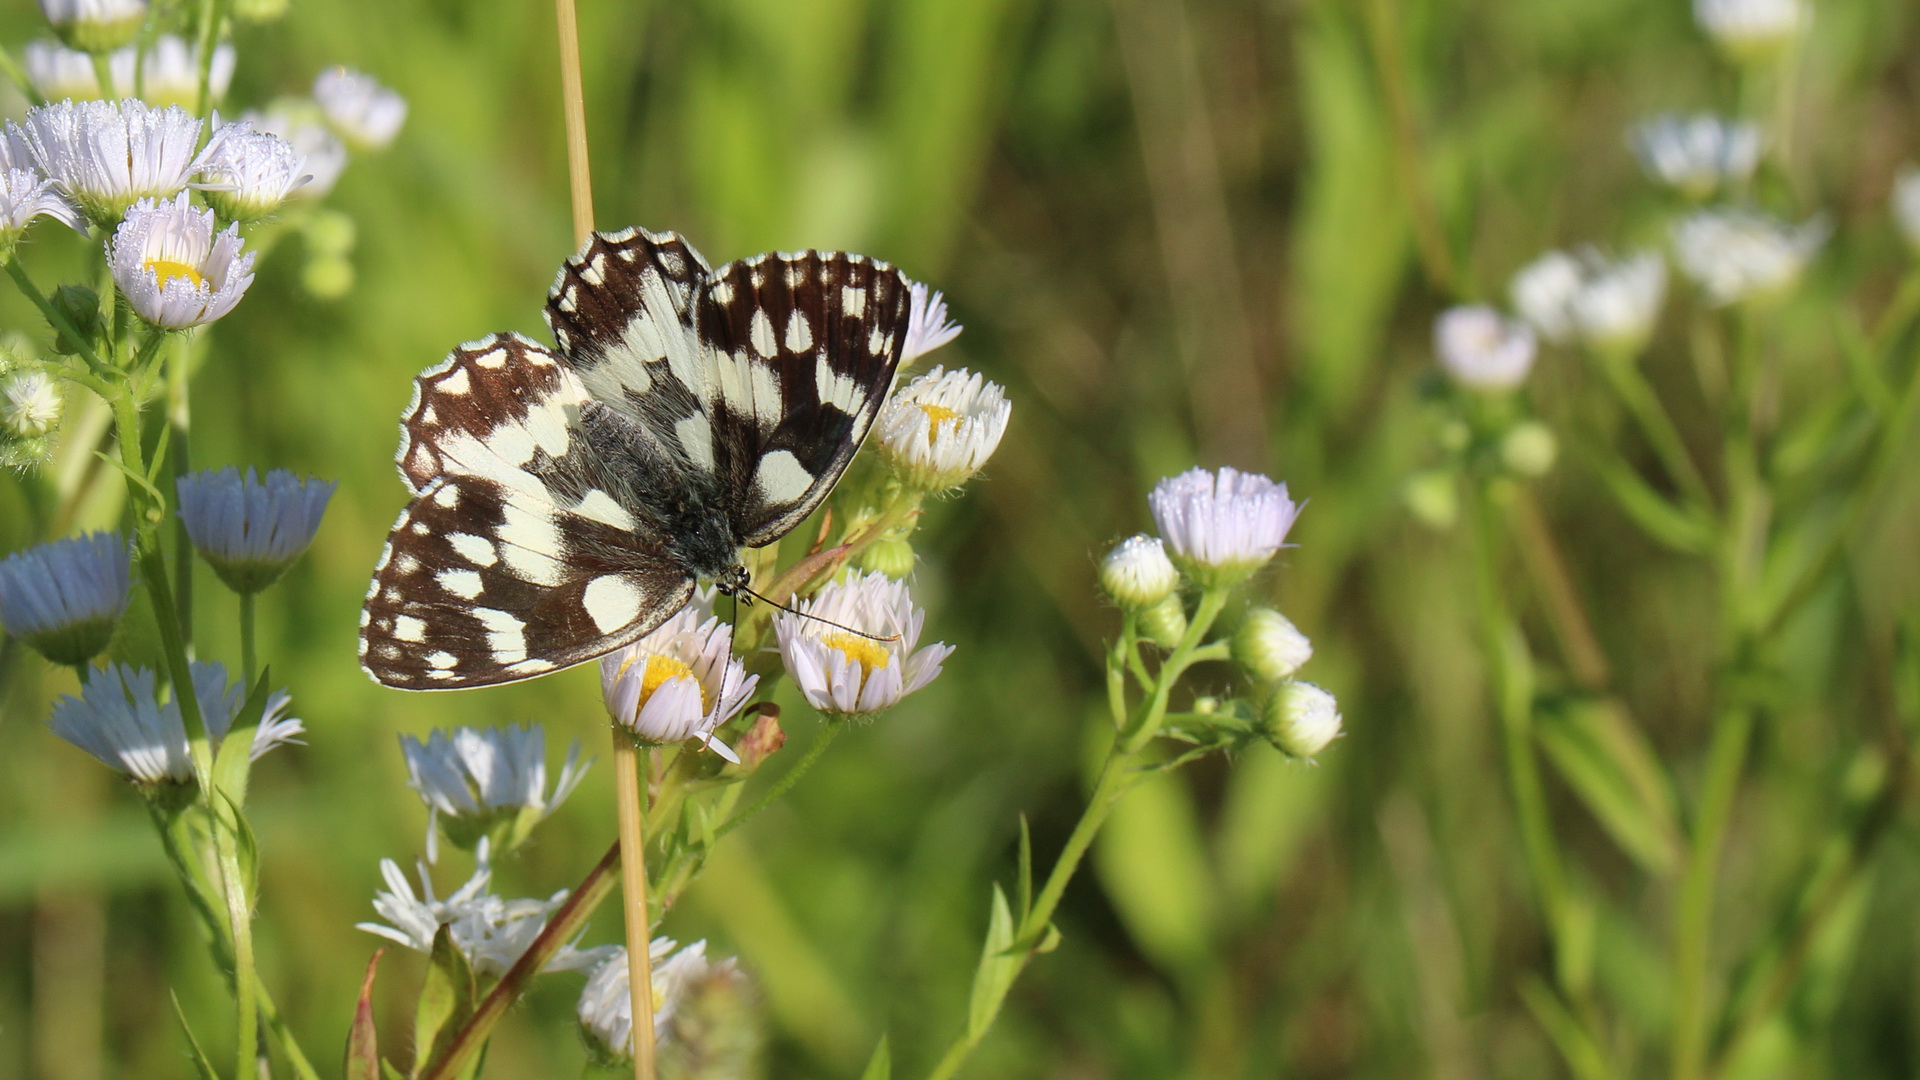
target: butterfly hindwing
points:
(804, 347)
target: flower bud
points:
(1137, 573)
(259, 11)
(1529, 449)
(1165, 623)
(64, 598)
(96, 26)
(764, 739)
(892, 557)
(1269, 647)
(1433, 497)
(1300, 719)
(80, 306)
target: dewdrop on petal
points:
(109, 155)
(1221, 527)
(870, 665)
(680, 681)
(1483, 349)
(251, 174)
(1752, 30)
(1269, 647)
(1906, 205)
(364, 113)
(325, 156)
(95, 25)
(64, 598)
(1137, 574)
(173, 269)
(1739, 256)
(1300, 719)
(939, 429)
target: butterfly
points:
(566, 501)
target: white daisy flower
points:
(1610, 304)
(95, 25)
(248, 530)
(1269, 646)
(867, 662)
(491, 932)
(1483, 349)
(58, 72)
(927, 325)
(26, 195)
(120, 721)
(1739, 255)
(1137, 573)
(939, 429)
(1697, 155)
(107, 155)
(1300, 719)
(364, 113)
(1752, 29)
(1221, 527)
(251, 174)
(173, 269)
(30, 405)
(681, 681)
(1906, 204)
(479, 782)
(168, 73)
(325, 155)
(606, 1007)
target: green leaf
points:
(1605, 759)
(446, 1000)
(1576, 1047)
(363, 1055)
(997, 968)
(880, 1066)
(1026, 869)
(201, 1063)
(1660, 519)
(234, 759)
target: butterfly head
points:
(734, 581)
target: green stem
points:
(179, 420)
(1693, 933)
(103, 72)
(1640, 399)
(1391, 67)
(210, 15)
(12, 70)
(786, 782)
(247, 977)
(283, 1035)
(60, 322)
(248, 662)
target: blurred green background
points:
(1176, 232)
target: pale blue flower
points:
(250, 531)
(64, 598)
(120, 719)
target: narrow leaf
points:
(201, 1063)
(446, 998)
(363, 1056)
(1026, 869)
(1658, 518)
(234, 759)
(1605, 759)
(996, 971)
(1576, 1047)
(880, 1067)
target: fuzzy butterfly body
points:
(566, 500)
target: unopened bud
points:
(763, 740)
(1300, 719)
(1269, 647)
(1434, 498)
(1137, 573)
(1529, 449)
(892, 557)
(80, 306)
(1165, 623)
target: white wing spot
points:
(442, 660)
(722, 292)
(506, 635)
(428, 416)
(464, 584)
(761, 334)
(566, 302)
(877, 341)
(781, 479)
(494, 358)
(512, 442)
(695, 436)
(673, 263)
(405, 566)
(457, 383)
(477, 550)
(548, 428)
(599, 506)
(530, 545)
(835, 389)
(409, 628)
(796, 273)
(853, 301)
(419, 528)
(611, 601)
(448, 496)
(593, 273)
(799, 332)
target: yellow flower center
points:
(937, 415)
(662, 670)
(868, 654)
(168, 269)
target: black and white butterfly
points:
(565, 501)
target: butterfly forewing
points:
(804, 348)
(521, 552)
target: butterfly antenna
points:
(809, 615)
